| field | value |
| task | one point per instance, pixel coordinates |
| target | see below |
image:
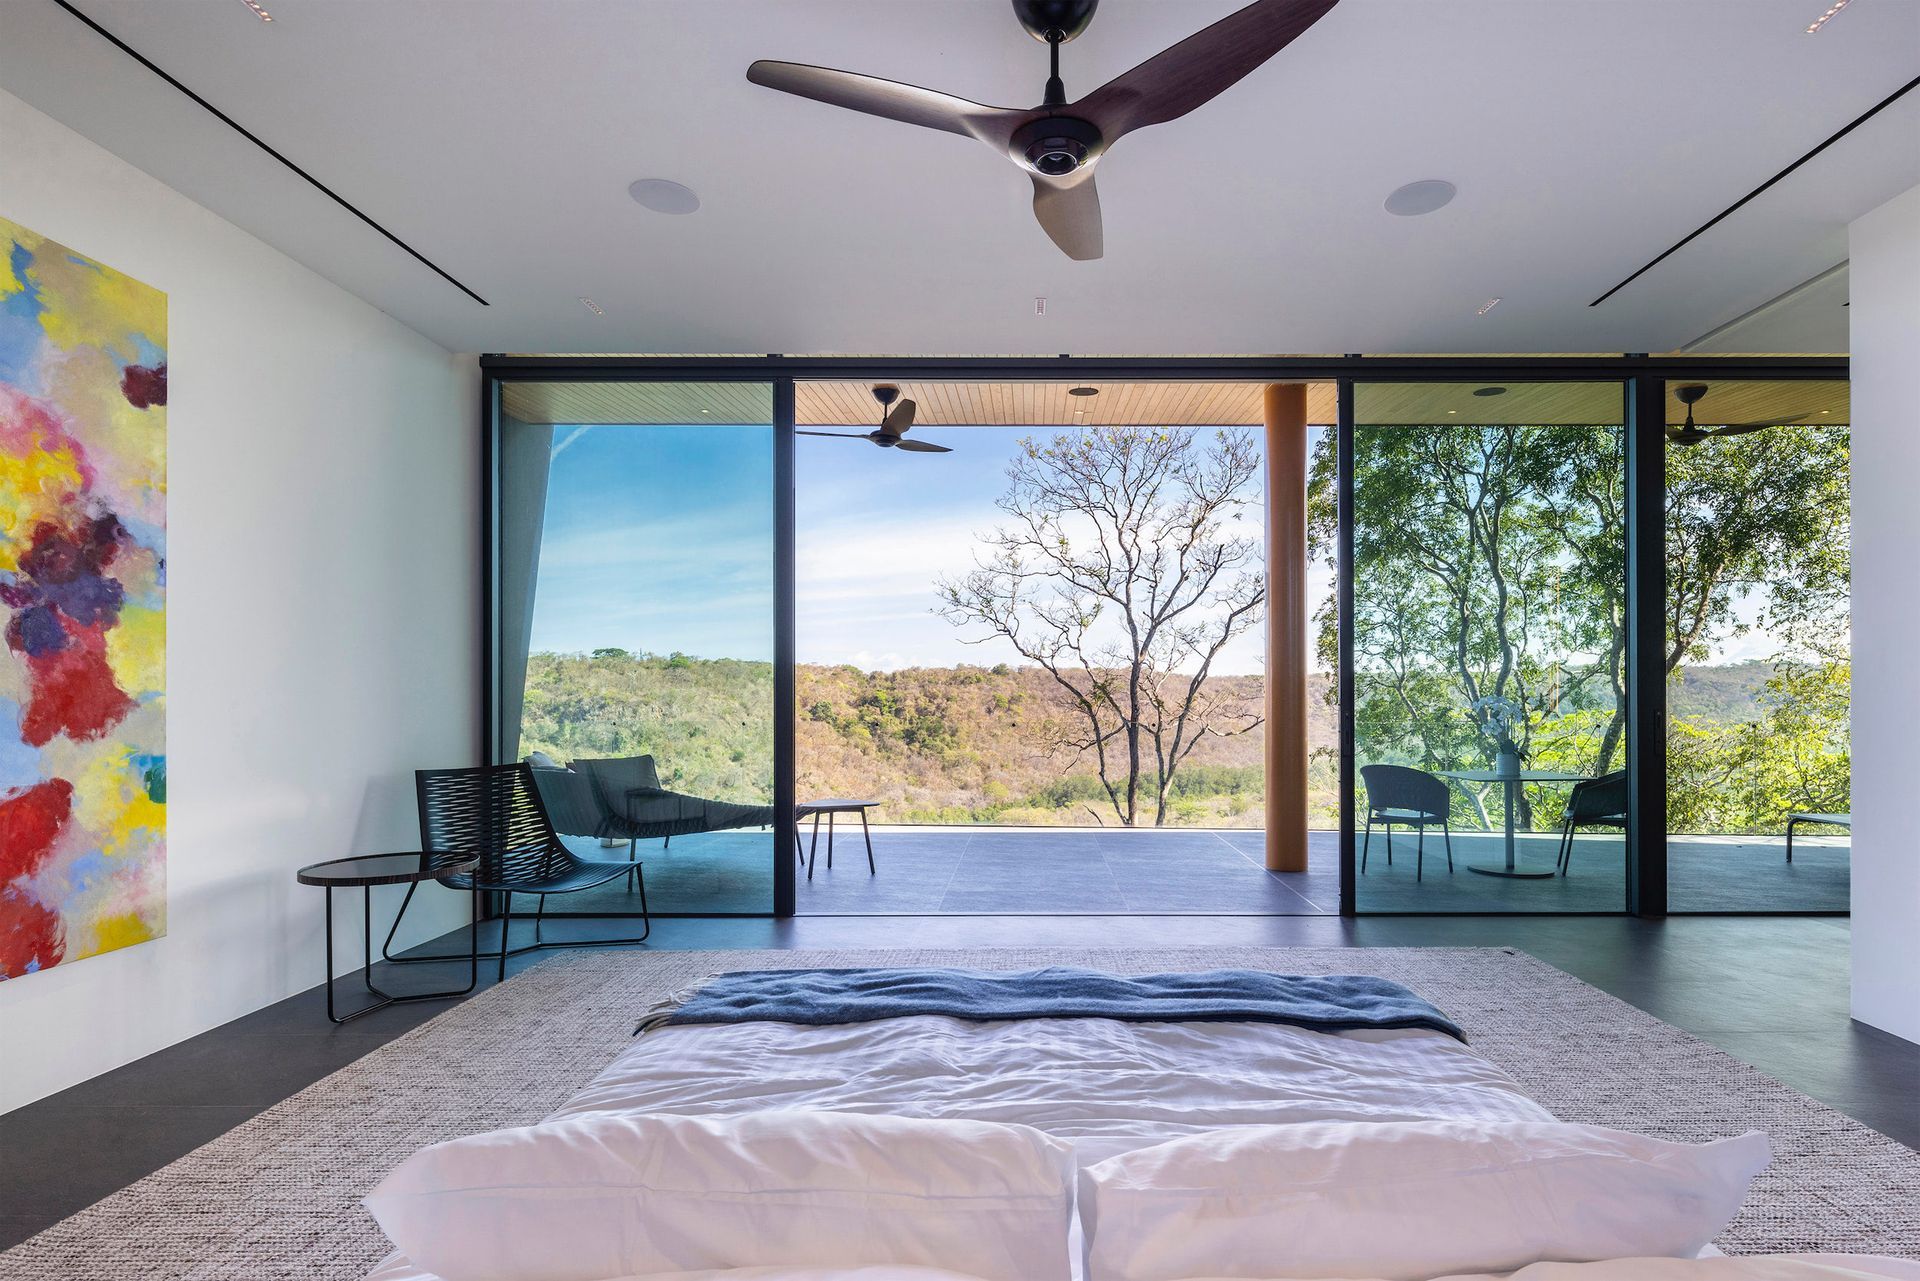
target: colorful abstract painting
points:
(83, 483)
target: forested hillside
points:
(945, 745)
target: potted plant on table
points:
(1502, 720)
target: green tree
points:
(1482, 569)
(1761, 516)
(1490, 560)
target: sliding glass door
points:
(1488, 647)
(1758, 647)
(1526, 568)
(635, 627)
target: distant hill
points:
(939, 744)
(1720, 695)
(970, 744)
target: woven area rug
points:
(278, 1197)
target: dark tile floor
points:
(1773, 992)
(1066, 871)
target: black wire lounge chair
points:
(1412, 798)
(495, 812)
(1593, 802)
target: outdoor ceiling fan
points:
(1058, 142)
(1691, 434)
(892, 432)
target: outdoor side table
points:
(365, 871)
(830, 806)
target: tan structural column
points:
(1286, 710)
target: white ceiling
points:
(499, 136)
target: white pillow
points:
(619, 1194)
(1396, 1201)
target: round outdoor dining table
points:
(1511, 867)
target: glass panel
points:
(636, 620)
(983, 634)
(1489, 584)
(1759, 654)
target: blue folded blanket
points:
(1322, 1002)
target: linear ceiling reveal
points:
(246, 133)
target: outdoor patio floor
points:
(1081, 871)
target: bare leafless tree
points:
(1119, 572)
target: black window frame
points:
(1642, 377)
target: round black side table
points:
(368, 870)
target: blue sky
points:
(660, 539)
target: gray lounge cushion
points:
(633, 804)
(569, 799)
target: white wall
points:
(1885, 317)
(322, 604)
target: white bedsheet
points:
(1104, 1085)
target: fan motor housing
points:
(1055, 145)
(1066, 17)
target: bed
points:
(1104, 1085)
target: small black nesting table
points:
(368, 870)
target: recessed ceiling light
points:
(592, 306)
(1487, 306)
(1083, 391)
(1421, 197)
(1490, 391)
(1818, 22)
(663, 195)
(260, 12)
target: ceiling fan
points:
(1691, 434)
(1058, 142)
(892, 431)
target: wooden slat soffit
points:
(1160, 404)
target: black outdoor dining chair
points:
(1593, 802)
(1412, 798)
(495, 813)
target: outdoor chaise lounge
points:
(1798, 817)
(620, 798)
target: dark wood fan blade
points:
(1069, 210)
(837, 435)
(899, 419)
(1199, 68)
(921, 447)
(906, 103)
(1694, 435)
